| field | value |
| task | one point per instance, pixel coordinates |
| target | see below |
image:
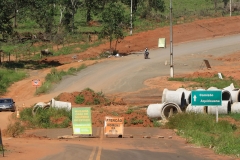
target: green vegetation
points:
(202, 130)
(136, 121)
(56, 76)
(79, 99)
(8, 77)
(129, 111)
(205, 82)
(80, 24)
(117, 12)
(156, 123)
(14, 129)
(46, 118)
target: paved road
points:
(168, 147)
(128, 73)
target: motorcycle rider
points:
(146, 53)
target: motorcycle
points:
(146, 55)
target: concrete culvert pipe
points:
(235, 94)
(177, 97)
(235, 108)
(196, 109)
(170, 109)
(187, 95)
(190, 96)
(226, 95)
(224, 109)
(154, 110)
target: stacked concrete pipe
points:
(169, 109)
(196, 109)
(226, 95)
(225, 108)
(235, 93)
(154, 110)
(163, 111)
(235, 108)
(177, 97)
(187, 94)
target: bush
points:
(129, 111)
(14, 129)
(47, 118)
(79, 99)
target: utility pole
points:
(230, 8)
(131, 20)
(171, 43)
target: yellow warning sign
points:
(113, 125)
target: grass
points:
(136, 121)
(46, 118)
(8, 77)
(56, 76)
(79, 99)
(205, 82)
(202, 130)
(14, 129)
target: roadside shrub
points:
(96, 101)
(136, 121)
(14, 129)
(129, 111)
(89, 89)
(46, 118)
(56, 76)
(156, 123)
(79, 99)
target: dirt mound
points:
(88, 97)
(102, 106)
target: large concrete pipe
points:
(226, 95)
(169, 109)
(177, 97)
(187, 94)
(196, 109)
(190, 96)
(235, 94)
(235, 108)
(224, 109)
(230, 87)
(154, 110)
(61, 104)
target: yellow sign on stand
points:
(162, 43)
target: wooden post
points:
(1, 142)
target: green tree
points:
(115, 19)
(7, 13)
(43, 13)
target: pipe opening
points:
(189, 99)
(226, 95)
(169, 111)
(183, 100)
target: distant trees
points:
(50, 15)
(114, 21)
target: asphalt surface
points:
(137, 143)
(128, 73)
